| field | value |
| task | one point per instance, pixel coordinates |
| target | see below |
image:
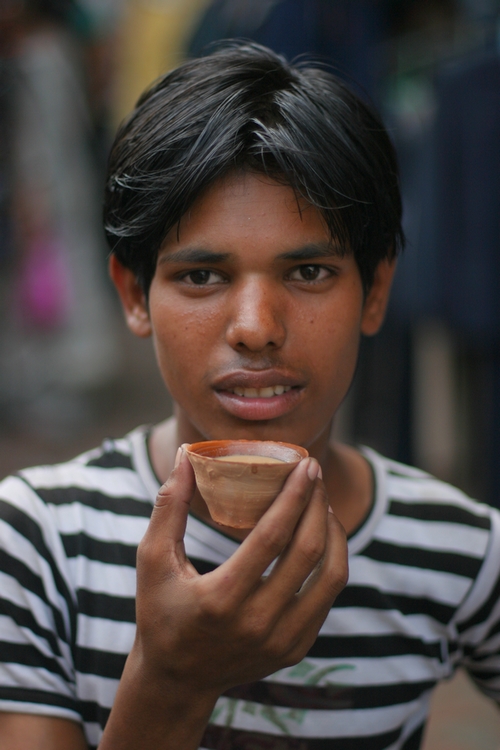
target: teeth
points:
(273, 390)
(266, 392)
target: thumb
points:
(161, 555)
(171, 509)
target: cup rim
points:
(216, 449)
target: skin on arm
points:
(197, 635)
(35, 732)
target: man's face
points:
(255, 317)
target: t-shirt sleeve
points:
(37, 608)
(478, 620)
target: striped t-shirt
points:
(423, 597)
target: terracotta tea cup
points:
(239, 479)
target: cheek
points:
(176, 343)
(182, 339)
(337, 354)
(332, 343)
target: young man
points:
(253, 213)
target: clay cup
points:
(239, 491)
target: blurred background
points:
(427, 389)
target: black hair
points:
(246, 108)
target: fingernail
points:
(320, 473)
(330, 509)
(313, 469)
(178, 456)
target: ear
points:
(132, 298)
(377, 298)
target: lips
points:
(254, 395)
(266, 378)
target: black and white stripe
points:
(423, 597)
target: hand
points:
(232, 626)
(197, 635)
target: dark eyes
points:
(307, 273)
(310, 273)
(203, 277)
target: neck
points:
(346, 474)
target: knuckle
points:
(336, 587)
(338, 529)
(256, 629)
(155, 560)
(275, 538)
(212, 609)
(338, 557)
(342, 578)
(215, 606)
(339, 579)
(289, 651)
(312, 549)
(320, 492)
(274, 654)
(146, 552)
(297, 653)
(165, 495)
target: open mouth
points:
(269, 392)
(269, 402)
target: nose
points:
(256, 319)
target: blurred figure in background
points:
(442, 101)
(70, 71)
(152, 38)
(59, 337)
(344, 33)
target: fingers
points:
(243, 571)
(287, 610)
(298, 623)
(327, 580)
(303, 553)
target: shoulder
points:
(74, 527)
(429, 541)
(412, 493)
(429, 526)
(103, 479)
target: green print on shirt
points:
(281, 720)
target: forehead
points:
(249, 208)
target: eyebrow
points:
(313, 250)
(193, 255)
(198, 255)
